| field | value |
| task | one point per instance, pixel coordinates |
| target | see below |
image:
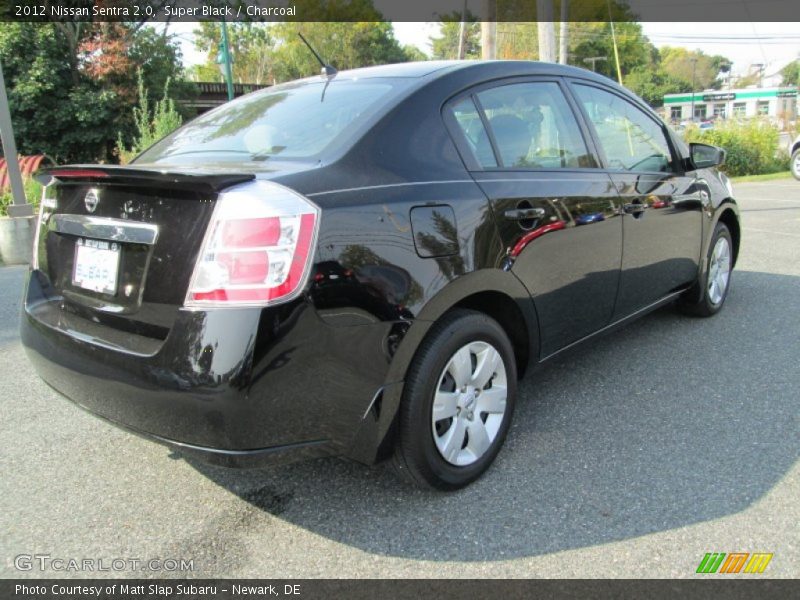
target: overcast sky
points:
(773, 44)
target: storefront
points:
(775, 103)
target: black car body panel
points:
(411, 226)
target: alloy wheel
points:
(719, 271)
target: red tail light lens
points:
(258, 247)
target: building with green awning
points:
(779, 103)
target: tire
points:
(450, 452)
(709, 299)
(795, 164)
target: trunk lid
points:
(117, 245)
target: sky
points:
(772, 44)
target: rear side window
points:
(533, 127)
(631, 140)
(469, 120)
(297, 120)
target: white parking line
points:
(797, 235)
(797, 201)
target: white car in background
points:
(795, 153)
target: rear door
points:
(556, 212)
(662, 222)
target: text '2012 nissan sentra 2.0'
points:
(363, 264)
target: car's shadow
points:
(669, 422)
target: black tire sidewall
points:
(792, 164)
(418, 446)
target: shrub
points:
(33, 192)
(151, 126)
(752, 146)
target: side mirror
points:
(705, 156)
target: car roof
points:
(442, 67)
(405, 69)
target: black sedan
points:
(363, 264)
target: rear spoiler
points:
(203, 182)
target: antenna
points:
(327, 70)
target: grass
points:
(33, 192)
(767, 177)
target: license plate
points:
(96, 266)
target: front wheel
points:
(715, 283)
(457, 403)
(796, 164)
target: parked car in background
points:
(363, 265)
(795, 154)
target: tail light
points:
(258, 248)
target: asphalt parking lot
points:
(632, 457)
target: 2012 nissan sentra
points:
(364, 264)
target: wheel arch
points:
(495, 292)
(729, 217)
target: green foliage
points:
(679, 63)
(652, 84)
(250, 45)
(751, 146)
(445, 45)
(790, 74)
(151, 126)
(344, 45)
(33, 193)
(70, 87)
(264, 54)
(595, 39)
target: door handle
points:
(635, 208)
(524, 214)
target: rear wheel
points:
(715, 283)
(457, 403)
(796, 164)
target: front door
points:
(662, 220)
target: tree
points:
(344, 45)
(445, 45)
(151, 125)
(72, 86)
(651, 83)
(679, 63)
(251, 46)
(790, 74)
(267, 54)
(595, 39)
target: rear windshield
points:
(297, 120)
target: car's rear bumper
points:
(239, 387)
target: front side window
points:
(631, 140)
(533, 127)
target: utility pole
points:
(489, 31)
(20, 206)
(562, 39)
(694, 69)
(462, 33)
(226, 60)
(593, 60)
(547, 34)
